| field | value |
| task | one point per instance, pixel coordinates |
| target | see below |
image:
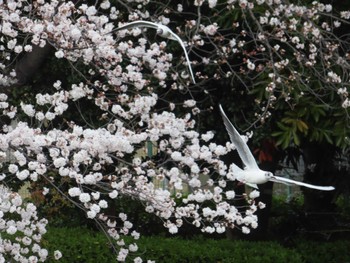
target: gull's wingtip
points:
(221, 109)
(330, 188)
(321, 188)
(324, 188)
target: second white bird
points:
(163, 31)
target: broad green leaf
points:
(302, 126)
(296, 138)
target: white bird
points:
(252, 175)
(163, 31)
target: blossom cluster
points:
(21, 230)
(83, 155)
(135, 93)
(298, 46)
(102, 163)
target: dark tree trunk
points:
(266, 190)
(30, 63)
(319, 206)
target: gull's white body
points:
(163, 31)
(252, 175)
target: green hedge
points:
(330, 252)
(83, 245)
(173, 250)
(78, 245)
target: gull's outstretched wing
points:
(164, 32)
(287, 181)
(242, 148)
(138, 23)
(176, 37)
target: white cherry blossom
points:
(140, 123)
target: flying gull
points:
(251, 174)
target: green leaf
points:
(277, 134)
(282, 126)
(339, 142)
(285, 143)
(302, 126)
(296, 138)
(328, 138)
(288, 120)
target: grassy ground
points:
(82, 245)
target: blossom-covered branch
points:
(122, 90)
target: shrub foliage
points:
(82, 245)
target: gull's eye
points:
(268, 174)
(160, 31)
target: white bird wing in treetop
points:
(241, 146)
(166, 32)
(287, 181)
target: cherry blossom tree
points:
(25, 222)
(115, 91)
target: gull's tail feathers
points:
(235, 169)
(287, 181)
(255, 186)
(239, 175)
